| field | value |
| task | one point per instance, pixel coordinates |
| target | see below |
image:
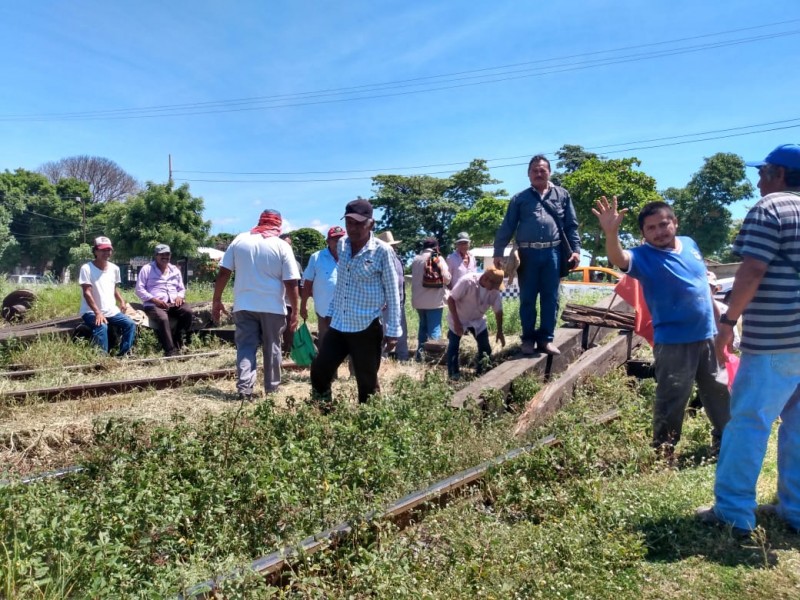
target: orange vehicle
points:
(592, 276)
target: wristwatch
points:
(723, 318)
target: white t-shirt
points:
(103, 284)
(261, 266)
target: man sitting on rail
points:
(98, 280)
(160, 287)
(467, 304)
(673, 277)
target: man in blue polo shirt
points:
(767, 386)
(673, 277)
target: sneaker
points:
(528, 348)
(707, 516)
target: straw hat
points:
(386, 236)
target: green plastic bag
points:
(303, 349)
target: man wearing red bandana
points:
(266, 282)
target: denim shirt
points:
(528, 219)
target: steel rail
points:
(55, 394)
(102, 366)
(400, 513)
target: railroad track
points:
(401, 513)
(21, 372)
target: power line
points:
(450, 164)
(469, 78)
(618, 151)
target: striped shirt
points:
(771, 234)
(365, 284)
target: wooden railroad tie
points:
(590, 315)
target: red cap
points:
(335, 232)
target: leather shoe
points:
(549, 348)
(528, 348)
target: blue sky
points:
(184, 76)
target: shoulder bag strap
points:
(553, 214)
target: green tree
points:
(608, 177)
(46, 220)
(305, 242)
(701, 206)
(160, 213)
(416, 206)
(220, 241)
(570, 159)
(481, 221)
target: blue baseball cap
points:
(787, 156)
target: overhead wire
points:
(501, 73)
(618, 151)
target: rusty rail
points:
(400, 512)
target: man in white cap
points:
(101, 303)
(266, 270)
(461, 261)
(160, 287)
(766, 291)
(319, 281)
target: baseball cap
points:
(360, 210)
(335, 232)
(787, 155)
(103, 243)
(162, 249)
(463, 237)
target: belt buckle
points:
(538, 245)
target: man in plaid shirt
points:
(367, 282)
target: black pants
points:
(364, 348)
(159, 318)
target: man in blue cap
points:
(766, 291)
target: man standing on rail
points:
(535, 217)
(766, 291)
(673, 277)
(319, 281)
(266, 271)
(101, 303)
(160, 287)
(366, 282)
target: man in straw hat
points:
(468, 302)
(401, 349)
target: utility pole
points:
(83, 211)
(170, 168)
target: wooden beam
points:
(553, 396)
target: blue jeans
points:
(124, 323)
(430, 327)
(453, 344)
(767, 386)
(538, 277)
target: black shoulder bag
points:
(565, 264)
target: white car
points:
(29, 279)
(724, 287)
